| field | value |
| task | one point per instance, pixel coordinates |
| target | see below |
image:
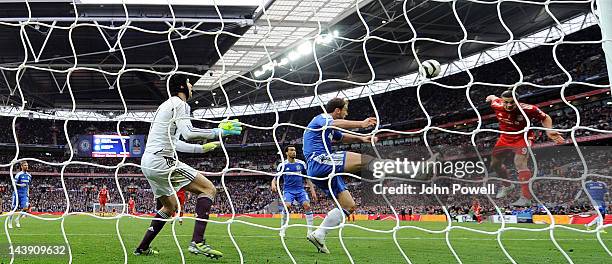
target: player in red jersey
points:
(181, 197)
(102, 199)
(511, 119)
(131, 206)
(476, 210)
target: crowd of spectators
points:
(252, 194)
(397, 109)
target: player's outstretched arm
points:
(491, 98)
(348, 138)
(182, 146)
(553, 135)
(351, 124)
(225, 128)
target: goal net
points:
(276, 68)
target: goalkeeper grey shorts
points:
(163, 178)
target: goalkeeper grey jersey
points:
(170, 122)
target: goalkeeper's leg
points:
(206, 192)
(169, 206)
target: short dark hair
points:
(178, 84)
(507, 94)
(335, 103)
(288, 146)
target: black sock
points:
(202, 209)
(153, 230)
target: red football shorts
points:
(514, 143)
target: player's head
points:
(179, 83)
(337, 108)
(23, 165)
(290, 151)
(508, 100)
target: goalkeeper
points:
(161, 167)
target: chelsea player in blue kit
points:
(320, 164)
(293, 186)
(21, 200)
(597, 190)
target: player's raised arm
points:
(491, 98)
(186, 129)
(348, 138)
(533, 111)
(553, 135)
(182, 146)
(182, 114)
(351, 124)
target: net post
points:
(605, 19)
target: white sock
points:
(284, 216)
(595, 221)
(592, 222)
(309, 220)
(333, 218)
(18, 218)
(10, 220)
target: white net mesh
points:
(270, 39)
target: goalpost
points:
(112, 208)
(368, 88)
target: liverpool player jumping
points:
(511, 119)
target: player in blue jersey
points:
(317, 143)
(21, 201)
(317, 140)
(597, 191)
(293, 186)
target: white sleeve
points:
(182, 146)
(186, 129)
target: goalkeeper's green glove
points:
(229, 128)
(210, 146)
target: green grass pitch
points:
(95, 241)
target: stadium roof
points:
(282, 30)
(108, 37)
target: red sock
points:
(523, 176)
